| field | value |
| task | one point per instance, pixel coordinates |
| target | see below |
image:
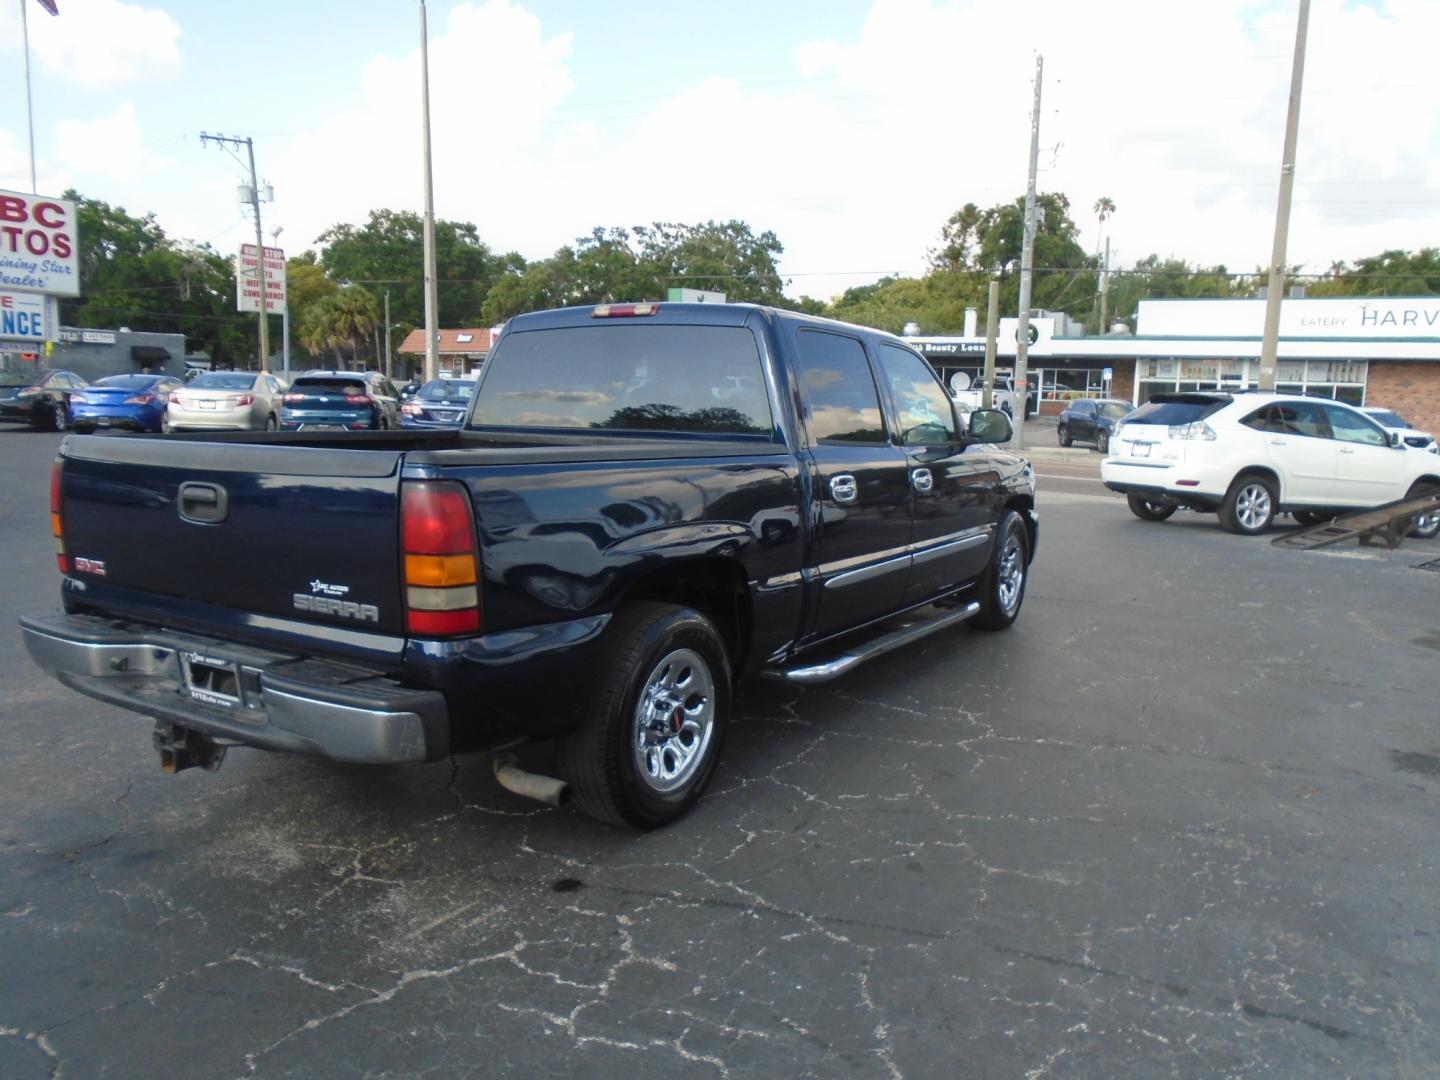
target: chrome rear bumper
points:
(236, 694)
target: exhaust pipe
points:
(546, 789)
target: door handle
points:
(203, 504)
(921, 480)
(1278, 442)
(844, 489)
(1347, 450)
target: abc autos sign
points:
(38, 245)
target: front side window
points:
(1351, 427)
(838, 389)
(620, 376)
(921, 403)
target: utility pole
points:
(1270, 342)
(992, 328)
(389, 362)
(432, 305)
(29, 106)
(264, 312)
(1105, 286)
(1027, 268)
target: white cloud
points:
(106, 147)
(856, 154)
(15, 167)
(98, 43)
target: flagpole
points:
(29, 107)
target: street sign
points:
(247, 284)
(1108, 374)
(28, 317)
(38, 246)
(695, 296)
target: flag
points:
(50, 6)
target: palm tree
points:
(347, 318)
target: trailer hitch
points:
(181, 748)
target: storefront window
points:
(1343, 380)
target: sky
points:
(850, 128)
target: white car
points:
(1392, 423)
(1250, 456)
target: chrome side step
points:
(879, 646)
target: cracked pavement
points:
(1180, 821)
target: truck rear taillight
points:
(56, 529)
(442, 581)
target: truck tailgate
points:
(305, 533)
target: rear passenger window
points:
(841, 402)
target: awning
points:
(148, 353)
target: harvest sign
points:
(38, 244)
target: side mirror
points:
(990, 426)
(1395, 440)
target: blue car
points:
(127, 402)
(440, 403)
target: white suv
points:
(1250, 456)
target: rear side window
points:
(841, 402)
(627, 377)
(1173, 413)
(1289, 418)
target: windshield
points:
(224, 380)
(443, 389)
(129, 382)
(1114, 410)
(627, 377)
(1386, 417)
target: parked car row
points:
(230, 401)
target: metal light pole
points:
(432, 313)
(284, 317)
(389, 356)
(29, 107)
(1027, 268)
(992, 327)
(1270, 342)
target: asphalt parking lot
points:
(1181, 820)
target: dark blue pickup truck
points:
(647, 502)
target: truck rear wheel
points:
(651, 738)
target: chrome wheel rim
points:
(1252, 506)
(1011, 578)
(674, 720)
(1426, 523)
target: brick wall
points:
(1411, 389)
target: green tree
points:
(1391, 273)
(306, 283)
(132, 274)
(388, 252)
(349, 317)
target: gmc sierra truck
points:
(646, 503)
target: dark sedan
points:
(441, 403)
(38, 398)
(127, 402)
(1091, 420)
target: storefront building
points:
(94, 354)
(1362, 350)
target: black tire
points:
(271, 424)
(1306, 518)
(1102, 441)
(655, 651)
(1147, 510)
(82, 429)
(1428, 527)
(60, 416)
(1002, 586)
(165, 424)
(1250, 505)
(1063, 433)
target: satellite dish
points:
(959, 381)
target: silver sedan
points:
(227, 401)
